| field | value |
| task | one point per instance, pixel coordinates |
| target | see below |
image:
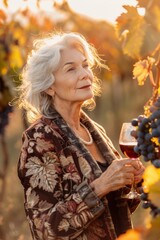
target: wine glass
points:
(127, 143)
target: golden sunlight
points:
(101, 9)
(97, 9)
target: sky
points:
(107, 10)
(101, 9)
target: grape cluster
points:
(148, 135)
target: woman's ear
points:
(50, 91)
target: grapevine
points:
(147, 134)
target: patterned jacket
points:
(55, 169)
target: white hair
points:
(38, 73)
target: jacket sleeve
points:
(52, 211)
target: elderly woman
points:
(72, 175)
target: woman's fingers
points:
(120, 173)
(128, 170)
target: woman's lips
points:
(86, 86)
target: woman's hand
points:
(120, 173)
(138, 172)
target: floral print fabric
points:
(53, 164)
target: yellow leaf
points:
(15, 57)
(20, 36)
(130, 235)
(151, 176)
(142, 69)
(138, 69)
(140, 72)
(154, 193)
(134, 25)
(155, 140)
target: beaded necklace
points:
(90, 137)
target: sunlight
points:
(97, 9)
(32, 4)
(141, 11)
(46, 5)
(14, 5)
(101, 9)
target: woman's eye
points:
(86, 66)
(70, 69)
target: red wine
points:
(128, 150)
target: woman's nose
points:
(83, 73)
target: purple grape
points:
(156, 163)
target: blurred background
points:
(122, 99)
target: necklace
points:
(90, 137)
(82, 140)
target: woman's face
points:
(73, 79)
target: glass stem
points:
(133, 187)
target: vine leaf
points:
(142, 69)
(151, 176)
(155, 193)
(130, 29)
(151, 184)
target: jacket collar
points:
(102, 141)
